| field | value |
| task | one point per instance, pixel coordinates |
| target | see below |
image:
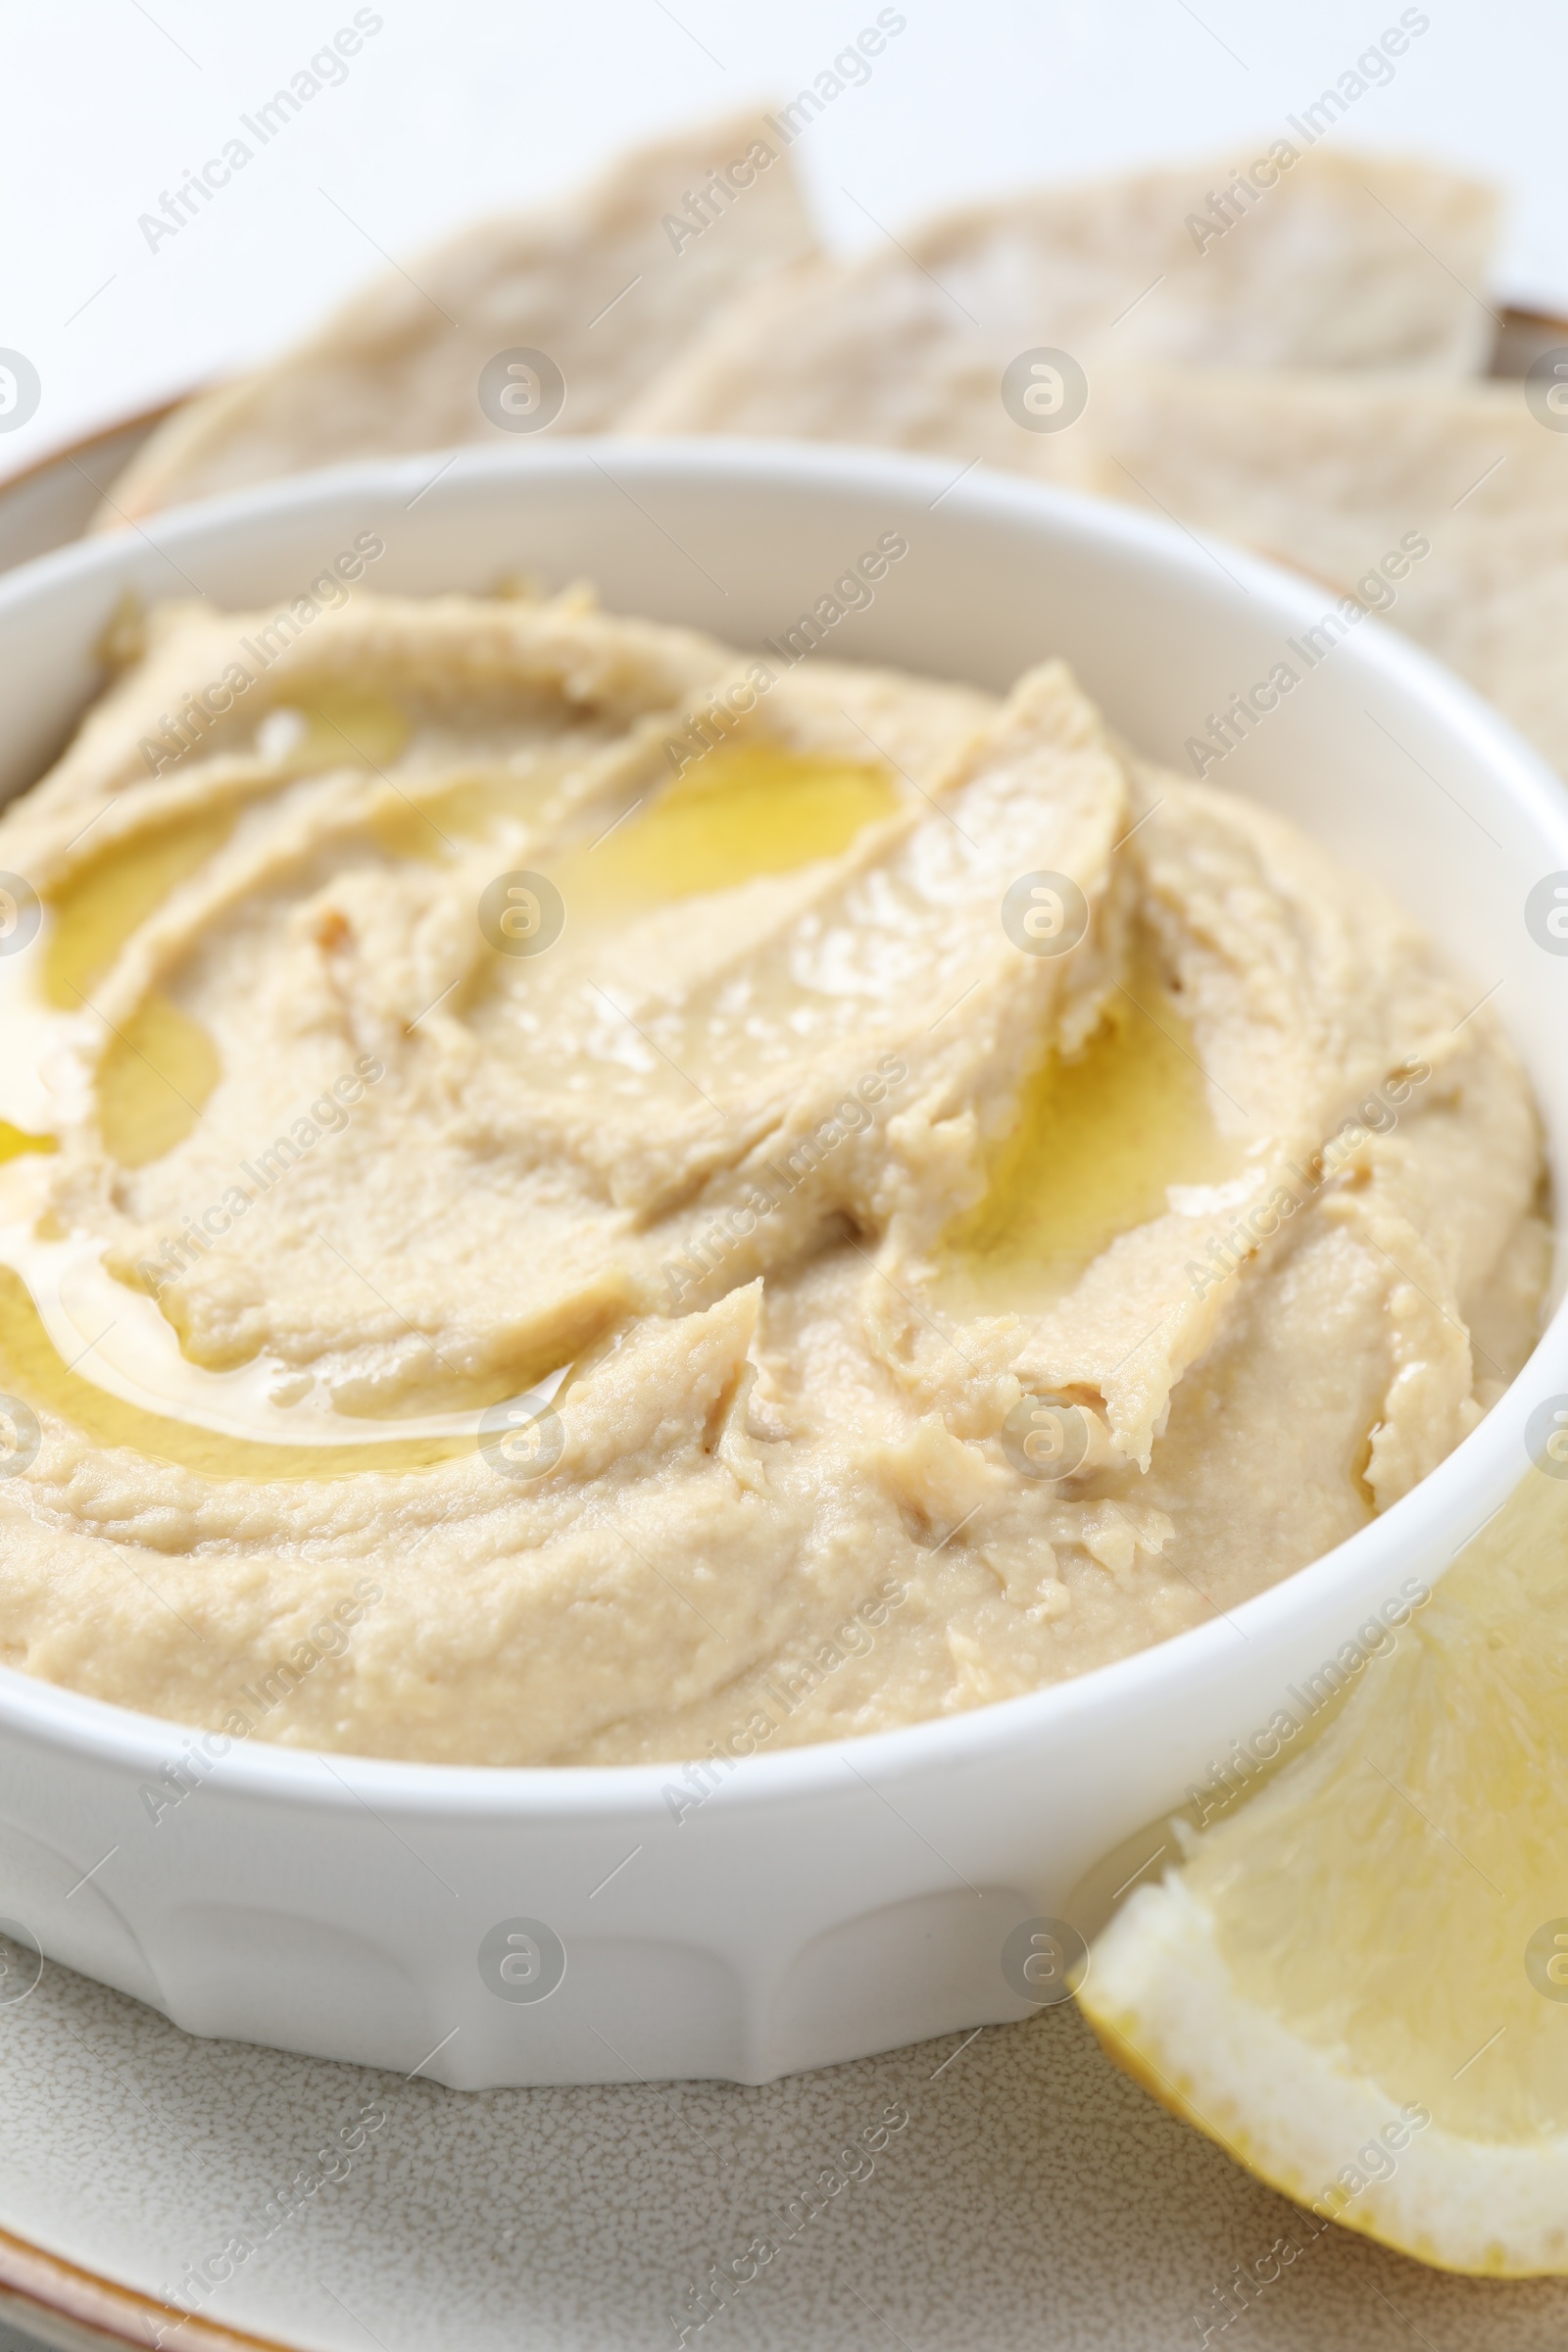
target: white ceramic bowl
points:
(824, 1902)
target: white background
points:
(466, 106)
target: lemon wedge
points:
(1357, 1982)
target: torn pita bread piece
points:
(1442, 506)
(1326, 261)
(852, 352)
(601, 282)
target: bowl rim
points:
(107, 1733)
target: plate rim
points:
(111, 2312)
(71, 450)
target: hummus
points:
(574, 1196)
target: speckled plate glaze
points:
(1031, 2199)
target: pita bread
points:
(599, 282)
(1345, 261)
(834, 352)
(1330, 473)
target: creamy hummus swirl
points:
(575, 1195)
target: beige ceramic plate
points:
(1032, 2201)
(50, 504)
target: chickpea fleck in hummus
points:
(575, 1195)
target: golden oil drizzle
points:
(1095, 1143)
(154, 1080)
(743, 809)
(31, 1368)
(15, 1141)
(347, 726)
(432, 815)
(105, 902)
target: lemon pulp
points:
(1425, 1833)
(1359, 1983)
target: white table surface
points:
(476, 105)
